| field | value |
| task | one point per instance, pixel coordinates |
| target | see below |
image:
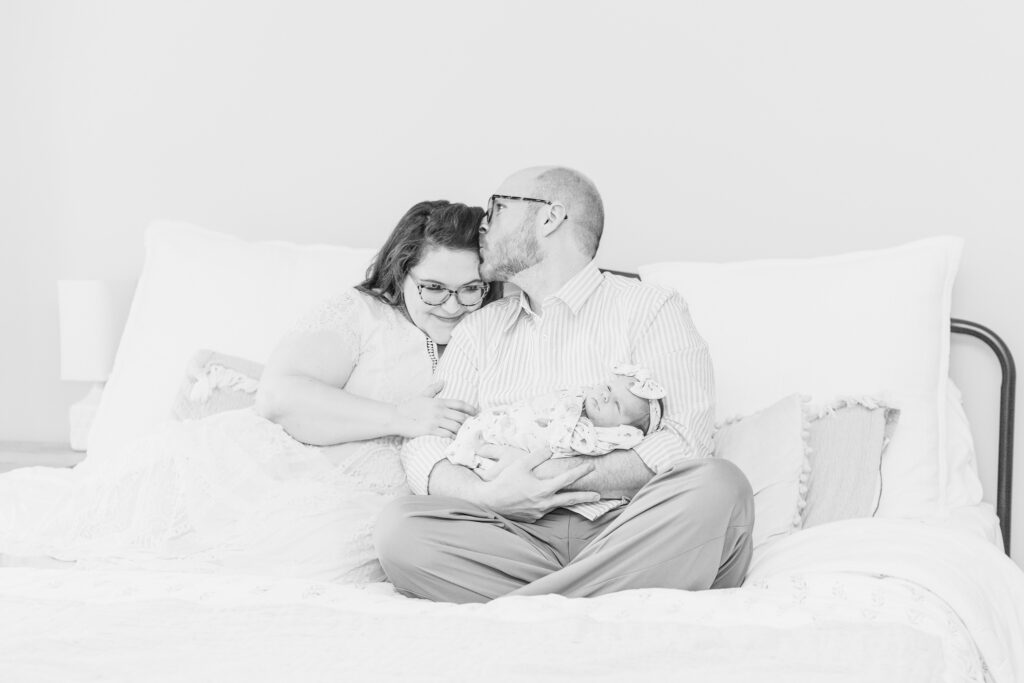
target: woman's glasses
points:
(434, 294)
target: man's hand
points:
(518, 493)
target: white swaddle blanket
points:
(555, 421)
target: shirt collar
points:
(516, 311)
(573, 293)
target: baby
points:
(589, 420)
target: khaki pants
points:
(688, 528)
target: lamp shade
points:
(92, 317)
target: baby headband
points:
(644, 387)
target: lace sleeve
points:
(342, 314)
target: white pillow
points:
(203, 289)
(872, 323)
(963, 485)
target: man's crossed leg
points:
(688, 528)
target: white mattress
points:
(865, 600)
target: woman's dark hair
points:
(437, 224)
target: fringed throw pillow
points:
(846, 441)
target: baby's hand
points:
(496, 459)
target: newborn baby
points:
(589, 420)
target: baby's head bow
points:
(644, 387)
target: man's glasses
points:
(433, 294)
(490, 203)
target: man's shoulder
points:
(624, 286)
(498, 310)
(639, 303)
(490, 315)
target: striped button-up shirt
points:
(507, 352)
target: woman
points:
(431, 255)
(293, 485)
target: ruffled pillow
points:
(809, 466)
(215, 382)
(770, 448)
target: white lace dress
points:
(234, 492)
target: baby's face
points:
(610, 403)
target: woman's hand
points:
(426, 415)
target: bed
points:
(920, 589)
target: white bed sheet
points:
(853, 601)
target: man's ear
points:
(552, 218)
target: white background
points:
(715, 130)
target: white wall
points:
(717, 131)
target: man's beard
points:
(507, 258)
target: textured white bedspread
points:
(870, 600)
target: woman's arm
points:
(302, 390)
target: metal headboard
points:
(1007, 406)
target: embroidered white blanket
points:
(866, 600)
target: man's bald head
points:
(570, 188)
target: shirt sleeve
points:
(342, 315)
(459, 371)
(678, 357)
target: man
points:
(661, 515)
